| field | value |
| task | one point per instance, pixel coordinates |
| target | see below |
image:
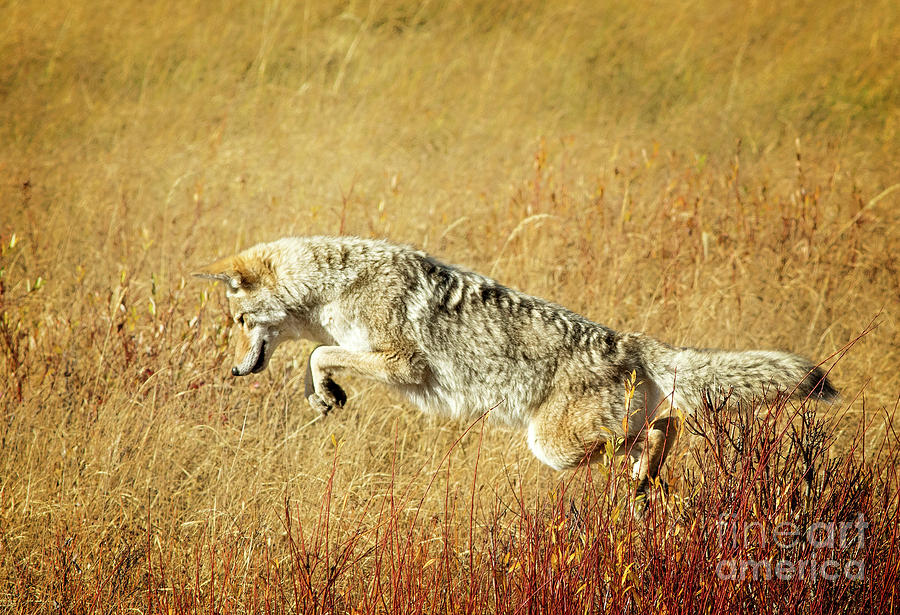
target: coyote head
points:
(259, 314)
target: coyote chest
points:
(345, 332)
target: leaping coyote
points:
(458, 343)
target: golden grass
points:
(713, 175)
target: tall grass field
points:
(713, 174)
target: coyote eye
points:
(239, 319)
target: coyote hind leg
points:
(565, 433)
(658, 441)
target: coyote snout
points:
(459, 343)
(250, 354)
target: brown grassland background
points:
(715, 174)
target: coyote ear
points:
(223, 270)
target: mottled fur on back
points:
(458, 343)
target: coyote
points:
(461, 344)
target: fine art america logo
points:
(830, 548)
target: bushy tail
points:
(690, 373)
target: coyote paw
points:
(331, 396)
(644, 496)
(325, 396)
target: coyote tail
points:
(689, 374)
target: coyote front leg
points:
(323, 393)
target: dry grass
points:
(713, 175)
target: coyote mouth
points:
(260, 360)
